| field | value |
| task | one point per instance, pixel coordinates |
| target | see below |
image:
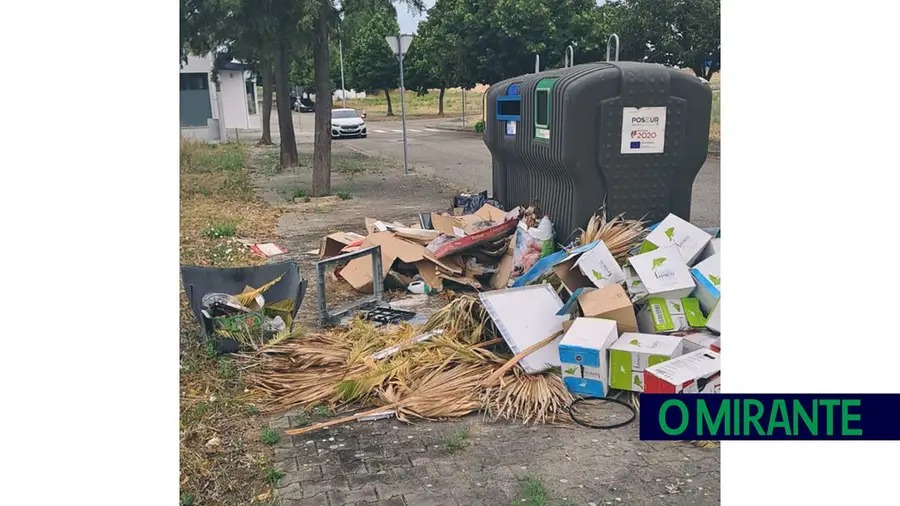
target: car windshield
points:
(343, 114)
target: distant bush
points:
(479, 127)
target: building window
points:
(193, 82)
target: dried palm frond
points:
(248, 295)
(618, 234)
(541, 398)
(465, 317)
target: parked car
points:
(347, 123)
(302, 103)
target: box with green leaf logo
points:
(664, 316)
(674, 231)
(663, 273)
(708, 278)
(634, 352)
(582, 356)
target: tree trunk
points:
(441, 102)
(289, 158)
(321, 178)
(268, 82)
(387, 96)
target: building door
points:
(195, 102)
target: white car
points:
(347, 123)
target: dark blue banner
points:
(804, 417)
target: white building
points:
(232, 102)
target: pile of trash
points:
(624, 309)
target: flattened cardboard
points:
(463, 280)
(698, 372)
(663, 273)
(452, 265)
(612, 303)
(371, 226)
(446, 224)
(500, 279)
(332, 244)
(358, 272)
(392, 245)
(635, 352)
(429, 274)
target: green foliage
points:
(252, 410)
(186, 499)
(343, 194)
(479, 126)
(224, 229)
(273, 475)
(456, 441)
(227, 369)
(322, 411)
(300, 193)
(370, 61)
(681, 34)
(269, 436)
(533, 492)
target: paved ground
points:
(390, 463)
(463, 159)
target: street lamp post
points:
(399, 46)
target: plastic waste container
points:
(199, 281)
(630, 135)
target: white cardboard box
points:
(674, 231)
(714, 319)
(583, 356)
(713, 248)
(600, 267)
(707, 277)
(694, 340)
(637, 292)
(663, 273)
(697, 372)
(664, 316)
(634, 352)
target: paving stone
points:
(388, 463)
(291, 491)
(339, 497)
(361, 480)
(426, 499)
(316, 500)
(314, 487)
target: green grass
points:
(300, 420)
(227, 157)
(187, 499)
(224, 229)
(533, 493)
(456, 441)
(269, 436)
(343, 194)
(322, 411)
(375, 104)
(227, 369)
(273, 475)
(300, 193)
(209, 351)
(253, 410)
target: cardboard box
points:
(664, 316)
(332, 244)
(707, 278)
(571, 277)
(674, 231)
(663, 273)
(600, 267)
(713, 248)
(500, 279)
(612, 303)
(637, 292)
(582, 356)
(714, 318)
(632, 353)
(697, 372)
(694, 340)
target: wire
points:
(572, 412)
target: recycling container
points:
(632, 136)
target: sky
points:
(408, 22)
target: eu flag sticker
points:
(635, 144)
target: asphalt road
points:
(463, 159)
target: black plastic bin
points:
(199, 281)
(556, 138)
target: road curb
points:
(453, 129)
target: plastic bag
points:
(471, 202)
(531, 245)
